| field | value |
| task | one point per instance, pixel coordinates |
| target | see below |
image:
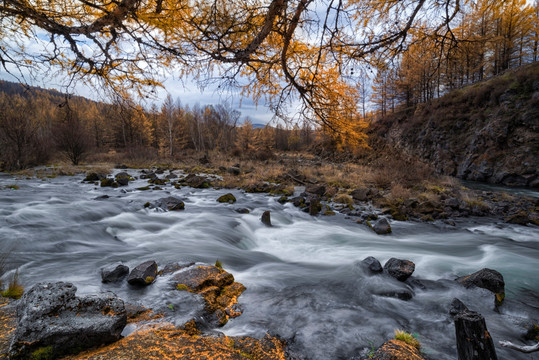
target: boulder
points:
(397, 350)
(266, 218)
(399, 269)
(94, 177)
(314, 205)
(242, 210)
(361, 194)
(109, 182)
(315, 189)
(195, 181)
(217, 288)
(169, 203)
(122, 178)
(144, 274)
(372, 264)
(382, 227)
(114, 275)
(227, 198)
(52, 321)
(233, 170)
(487, 279)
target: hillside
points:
(484, 132)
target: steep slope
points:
(484, 132)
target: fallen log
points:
(525, 349)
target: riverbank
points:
(401, 188)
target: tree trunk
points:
(473, 339)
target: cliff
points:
(483, 132)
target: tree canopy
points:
(277, 51)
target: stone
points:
(198, 182)
(487, 279)
(315, 189)
(216, 286)
(233, 170)
(144, 274)
(399, 269)
(314, 206)
(91, 177)
(108, 182)
(361, 194)
(52, 321)
(397, 350)
(456, 307)
(170, 203)
(242, 210)
(114, 275)
(382, 227)
(170, 342)
(266, 218)
(122, 178)
(227, 198)
(372, 264)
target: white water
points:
(302, 278)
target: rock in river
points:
(144, 274)
(487, 279)
(399, 269)
(114, 275)
(52, 321)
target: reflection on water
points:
(302, 275)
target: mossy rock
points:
(143, 188)
(227, 198)
(109, 182)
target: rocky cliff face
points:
(485, 132)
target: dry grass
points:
(407, 338)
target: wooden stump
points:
(473, 339)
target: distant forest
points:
(37, 124)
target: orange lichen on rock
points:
(397, 350)
(7, 326)
(165, 342)
(216, 286)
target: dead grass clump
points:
(399, 192)
(344, 199)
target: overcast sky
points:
(187, 92)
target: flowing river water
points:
(302, 275)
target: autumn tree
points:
(272, 50)
(71, 135)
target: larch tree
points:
(278, 51)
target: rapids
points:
(302, 275)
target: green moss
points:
(12, 187)
(143, 188)
(499, 298)
(147, 204)
(407, 338)
(283, 199)
(43, 353)
(227, 198)
(218, 264)
(329, 213)
(182, 287)
(149, 279)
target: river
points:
(302, 275)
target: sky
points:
(187, 92)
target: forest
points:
(487, 39)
